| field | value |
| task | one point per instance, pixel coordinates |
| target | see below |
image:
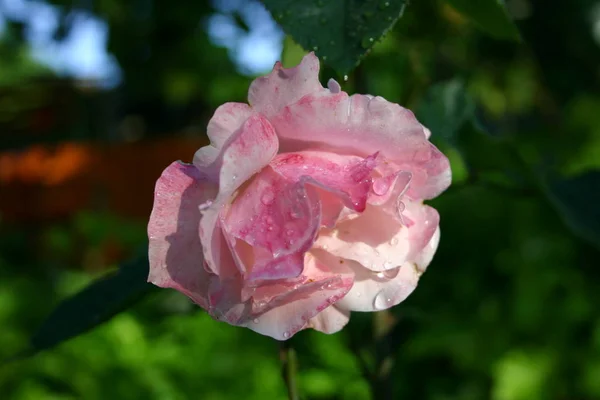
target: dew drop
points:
(296, 212)
(357, 294)
(394, 241)
(286, 335)
(381, 301)
(400, 208)
(204, 206)
(390, 273)
(234, 177)
(381, 186)
(384, 5)
(380, 275)
(255, 320)
(324, 247)
(345, 78)
(267, 197)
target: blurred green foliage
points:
(508, 309)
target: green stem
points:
(289, 363)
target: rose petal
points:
(371, 291)
(362, 125)
(347, 176)
(290, 311)
(175, 251)
(423, 259)
(279, 217)
(375, 291)
(330, 320)
(379, 242)
(223, 126)
(247, 153)
(269, 94)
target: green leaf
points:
(445, 108)
(578, 201)
(488, 15)
(292, 53)
(95, 304)
(340, 32)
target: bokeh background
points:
(97, 97)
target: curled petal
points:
(380, 242)
(363, 125)
(372, 291)
(424, 257)
(375, 291)
(249, 151)
(279, 220)
(284, 86)
(227, 120)
(282, 313)
(347, 176)
(175, 251)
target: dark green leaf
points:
(340, 32)
(489, 15)
(445, 108)
(578, 201)
(94, 305)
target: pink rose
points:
(306, 205)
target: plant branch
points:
(289, 364)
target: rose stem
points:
(289, 363)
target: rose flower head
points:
(306, 205)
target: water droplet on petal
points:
(234, 177)
(391, 273)
(286, 335)
(400, 208)
(357, 294)
(324, 247)
(267, 197)
(380, 275)
(206, 205)
(255, 320)
(382, 301)
(394, 241)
